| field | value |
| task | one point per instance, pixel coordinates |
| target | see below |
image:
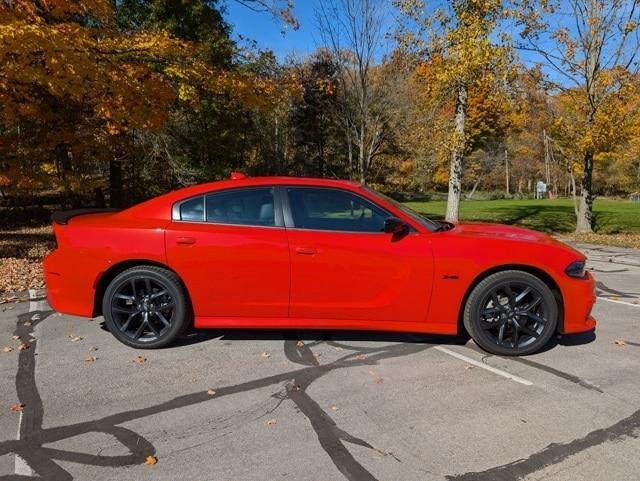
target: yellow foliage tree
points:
(457, 39)
(72, 85)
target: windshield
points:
(422, 220)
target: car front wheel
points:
(145, 307)
(511, 313)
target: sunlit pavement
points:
(238, 405)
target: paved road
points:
(323, 406)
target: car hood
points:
(507, 232)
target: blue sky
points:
(267, 31)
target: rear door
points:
(343, 265)
(231, 250)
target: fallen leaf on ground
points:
(300, 343)
(91, 359)
(361, 357)
(15, 338)
(338, 348)
(379, 380)
(317, 354)
(334, 408)
(93, 349)
(273, 421)
(151, 460)
(28, 323)
(74, 338)
(211, 392)
(265, 354)
(140, 360)
(468, 366)
(17, 407)
(7, 349)
(23, 346)
(619, 342)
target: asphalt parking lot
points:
(320, 406)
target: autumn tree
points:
(589, 49)
(458, 40)
(77, 81)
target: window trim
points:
(277, 207)
(288, 214)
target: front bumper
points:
(579, 296)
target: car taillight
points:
(576, 269)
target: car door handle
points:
(186, 240)
(306, 251)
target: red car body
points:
(240, 276)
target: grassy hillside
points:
(612, 216)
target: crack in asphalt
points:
(603, 288)
(556, 453)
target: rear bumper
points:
(70, 284)
(579, 298)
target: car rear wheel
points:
(145, 307)
(511, 313)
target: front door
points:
(343, 265)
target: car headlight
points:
(577, 269)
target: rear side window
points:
(335, 210)
(192, 209)
(242, 206)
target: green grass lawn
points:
(612, 216)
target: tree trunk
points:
(585, 209)
(506, 171)
(455, 170)
(473, 190)
(362, 162)
(115, 183)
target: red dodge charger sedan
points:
(281, 252)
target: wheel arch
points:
(107, 276)
(535, 271)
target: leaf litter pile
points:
(21, 253)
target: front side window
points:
(241, 206)
(335, 210)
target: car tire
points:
(146, 307)
(511, 313)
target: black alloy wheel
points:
(511, 313)
(145, 307)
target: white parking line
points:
(619, 302)
(494, 370)
(21, 466)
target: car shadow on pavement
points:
(196, 336)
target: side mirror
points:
(393, 225)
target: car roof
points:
(157, 207)
(265, 180)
